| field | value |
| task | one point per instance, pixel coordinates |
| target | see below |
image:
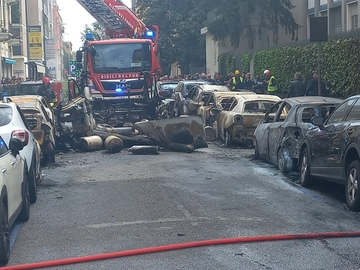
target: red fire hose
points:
(142, 251)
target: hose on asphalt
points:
(142, 251)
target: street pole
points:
(27, 39)
(319, 66)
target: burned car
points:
(239, 115)
(214, 99)
(180, 92)
(197, 97)
(42, 122)
(280, 132)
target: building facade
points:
(342, 21)
(8, 38)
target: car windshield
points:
(28, 89)
(168, 86)
(125, 57)
(5, 115)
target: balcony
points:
(13, 42)
(12, 2)
(5, 31)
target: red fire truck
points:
(119, 74)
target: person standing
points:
(237, 81)
(46, 91)
(297, 86)
(313, 87)
(271, 82)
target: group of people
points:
(265, 84)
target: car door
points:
(327, 139)
(344, 134)
(275, 130)
(11, 172)
(262, 130)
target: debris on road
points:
(210, 133)
(145, 149)
(113, 144)
(168, 133)
(90, 143)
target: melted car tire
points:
(227, 138)
(25, 209)
(32, 184)
(305, 179)
(4, 235)
(282, 161)
(354, 168)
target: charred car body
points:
(42, 122)
(240, 114)
(278, 136)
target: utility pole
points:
(27, 38)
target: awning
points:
(10, 61)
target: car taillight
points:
(22, 135)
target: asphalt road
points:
(92, 203)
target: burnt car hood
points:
(187, 130)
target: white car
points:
(14, 196)
(14, 124)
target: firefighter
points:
(45, 91)
(237, 81)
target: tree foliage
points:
(179, 31)
(96, 29)
(235, 19)
(339, 64)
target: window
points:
(211, 100)
(124, 57)
(323, 111)
(270, 115)
(354, 114)
(354, 22)
(340, 113)
(5, 115)
(230, 104)
(205, 97)
(258, 106)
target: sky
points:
(75, 17)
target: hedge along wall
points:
(340, 64)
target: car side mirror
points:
(15, 145)
(317, 121)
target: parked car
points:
(42, 122)
(279, 135)
(197, 96)
(166, 89)
(181, 90)
(239, 115)
(215, 100)
(332, 150)
(14, 192)
(13, 124)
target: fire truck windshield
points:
(124, 57)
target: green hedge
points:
(340, 64)
(246, 59)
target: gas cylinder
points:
(113, 144)
(90, 143)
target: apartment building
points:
(342, 15)
(8, 38)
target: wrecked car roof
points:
(26, 101)
(312, 100)
(209, 87)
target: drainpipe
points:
(29, 75)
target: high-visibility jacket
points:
(271, 88)
(234, 82)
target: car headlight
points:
(238, 118)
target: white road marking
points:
(169, 220)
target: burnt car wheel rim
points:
(303, 167)
(352, 185)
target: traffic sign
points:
(73, 71)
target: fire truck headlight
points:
(119, 90)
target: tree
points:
(235, 19)
(179, 31)
(96, 29)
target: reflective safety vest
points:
(234, 82)
(271, 88)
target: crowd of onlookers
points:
(9, 85)
(265, 84)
